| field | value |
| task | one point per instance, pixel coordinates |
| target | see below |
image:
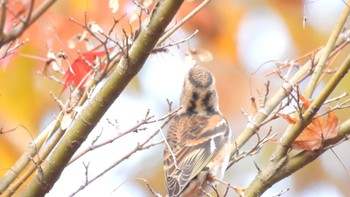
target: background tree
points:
(85, 57)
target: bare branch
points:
(31, 18)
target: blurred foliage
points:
(25, 95)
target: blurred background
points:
(235, 38)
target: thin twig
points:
(146, 120)
(139, 147)
(183, 21)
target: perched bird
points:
(198, 140)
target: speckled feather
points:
(199, 137)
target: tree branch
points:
(326, 51)
(279, 159)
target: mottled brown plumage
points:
(199, 138)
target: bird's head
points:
(199, 94)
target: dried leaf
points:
(66, 121)
(320, 129)
(114, 5)
(205, 55)
(95, 28)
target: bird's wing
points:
(194, 141)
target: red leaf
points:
(77, 74)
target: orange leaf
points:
(288, 118)
(316, 132)
(306, 102)
(320, 129)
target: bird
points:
(197, 148)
